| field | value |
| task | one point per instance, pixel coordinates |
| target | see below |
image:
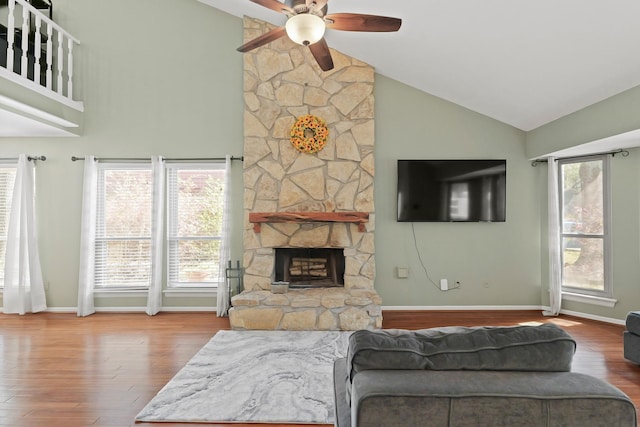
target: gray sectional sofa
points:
(481, 376)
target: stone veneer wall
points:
(281, 82)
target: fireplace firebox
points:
(310, 267)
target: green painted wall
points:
(497, 263)
(625, 207)
(613, 116)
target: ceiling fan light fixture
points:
(305, 28)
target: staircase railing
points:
(37, 53)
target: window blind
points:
(194, 223)
(123, 226)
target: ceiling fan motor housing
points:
(300, 6)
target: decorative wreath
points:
(309, 134)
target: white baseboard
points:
(132, 309)
(593, 317)
(62, 310)
(198, 309)
(461, 307)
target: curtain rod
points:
(613, 153)
(30, 158)
(146, 159)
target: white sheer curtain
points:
(23, 285)
(86, 276)
(154, 298)
(223, 290)
(555, 267)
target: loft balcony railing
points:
(37, 53)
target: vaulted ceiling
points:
(525, 63)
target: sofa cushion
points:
(513, 348)
(633, 322)
(486, 398)
(631, 347)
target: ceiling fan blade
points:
(320, 51)
(360, 22)
(267, 37)
(275, 5)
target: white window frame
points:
(173, 283)
(580, 294)
(102, 167)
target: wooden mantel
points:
(257, 218)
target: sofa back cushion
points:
(633, 322)
(512, 348)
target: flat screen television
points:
(452, 190)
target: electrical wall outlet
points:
(402, 272)
(444, 285)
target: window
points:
(194, 209)
(585, 214)
(7, 178)
(194, 223)
(123, 226)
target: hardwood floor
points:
(60, 370)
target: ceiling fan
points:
(307, 21)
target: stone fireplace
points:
(297, 203)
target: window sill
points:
(191, 292)
(590, 299)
